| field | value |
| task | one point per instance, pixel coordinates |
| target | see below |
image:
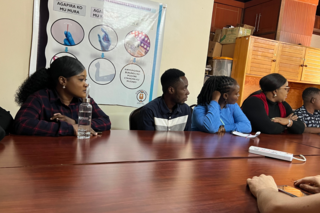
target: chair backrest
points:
(191, 107)
(134, 119)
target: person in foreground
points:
(267, 110)
(6, 121)
(168, 112)
(217, 110)
(50, 100)
(269, 199)
(309, 112)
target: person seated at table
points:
(217, 110)
(269, 199)
(50, 100)
(168, 112)
(309, 113)
(5, 122)
(267, 110)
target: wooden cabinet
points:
(250, 16)
(297, 22)
(311, 67)
(255, 57)
(268, 17)
(290, 21)
(264, 17)
(262, 56)
(225, 15)
(290, 61)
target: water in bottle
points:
(84, 119)
(84, 123)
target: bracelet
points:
(289, 123)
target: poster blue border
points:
(155, 53)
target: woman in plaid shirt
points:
(50, 100)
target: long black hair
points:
(222, 84)
(270, 83)
(48, 78)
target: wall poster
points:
(118, 41)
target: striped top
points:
(156, 116)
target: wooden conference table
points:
(142, 171)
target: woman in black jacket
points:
(267, 110)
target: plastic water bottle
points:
(84, 120)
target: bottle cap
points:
(85, 100)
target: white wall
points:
(185, 46)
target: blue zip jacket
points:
(209, 118)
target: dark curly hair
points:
(48, 78)
(222, 84)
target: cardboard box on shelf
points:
(228, 50)
(247, 27)
(229, 35)
(217, 35)
(214, 49)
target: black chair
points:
(191, 107)
(134, 119)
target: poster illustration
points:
(118, 41)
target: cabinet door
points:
(262, 56)
(297, 22)
(268, 17)
(311, 70)
(250, 16)
(290, 61)
(225, 15)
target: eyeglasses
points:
(286, 88)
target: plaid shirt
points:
(33, 118)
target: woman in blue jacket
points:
(217, 110)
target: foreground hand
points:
(309, 184)
(256, 184)
(216, 96)
(59, 117)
